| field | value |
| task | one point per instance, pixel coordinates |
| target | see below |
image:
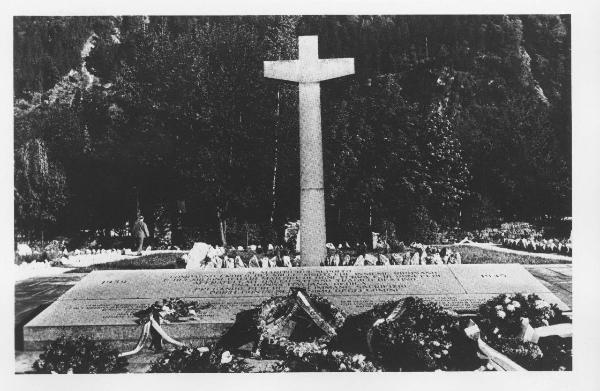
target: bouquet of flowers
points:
(169, 310)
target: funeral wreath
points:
(307, 333)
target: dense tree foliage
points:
(449, 120)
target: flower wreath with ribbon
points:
(298, 317)
(532, 334)
(416, 335)
(301, 328)
(170, 310)
(309, 333)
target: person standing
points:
(140, 232)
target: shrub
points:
(36, 257)
(162, 228)
(517, 230)
(80, 355)
(422, 228)
(560, 229)
(396, 246)
(480, 212)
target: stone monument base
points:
(102, 305)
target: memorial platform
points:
(102, 304)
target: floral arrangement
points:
(199, 360)
(343, 255)
(502, 321)
(502, 315)
(80, 355)
(419, 336)
(541, 246)
(169, 310)
(306, 346)
(308, 333)
(297, 318)
(413, 335)
(314, 357)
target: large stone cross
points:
(308, 71)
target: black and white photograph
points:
(270, 193)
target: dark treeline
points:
(449, 120)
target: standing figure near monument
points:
(140, 232)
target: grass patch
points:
(470, 254)
(146, 262)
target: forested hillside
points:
(449, 120)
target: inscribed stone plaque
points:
(103, 303)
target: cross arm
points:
(283, 70)
(332, 68)
(309, 72)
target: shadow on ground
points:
(32, 313)
(33, 295)
(151, 261)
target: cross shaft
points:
(308, 71)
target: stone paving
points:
(557, 278)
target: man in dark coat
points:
(140, 231)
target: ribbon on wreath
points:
(303, 302)
(530, 334)
(273, 327)
(146, 333)
(498, 360)
(397, 312)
